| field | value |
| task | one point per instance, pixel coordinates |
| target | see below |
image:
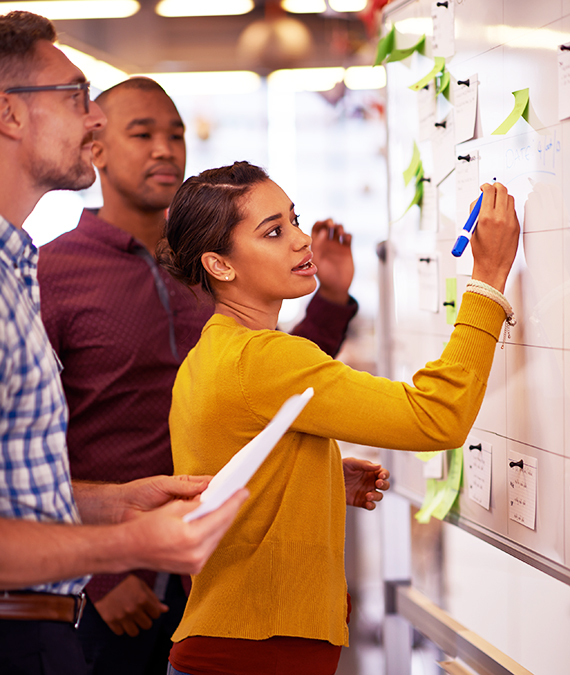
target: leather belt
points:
(42, 607)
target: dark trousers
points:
(40, 648)
(145, 654)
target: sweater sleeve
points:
(434, 413)
(326, 323)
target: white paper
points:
(443, 142)
(426, 111)
(467, 190)
(443, 40)
(241, 467)
(563, 83)
(429, 219)
(522, 489)
(433, 468)
(477, 459)
(428, 279)
(464, 98)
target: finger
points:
(321, 226)
(501, 198)
(130, 628)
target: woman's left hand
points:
(362, 481)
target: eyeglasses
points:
(78, 86)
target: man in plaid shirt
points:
(46, 132)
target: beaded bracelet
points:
(480, 287)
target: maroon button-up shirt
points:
(121, 327)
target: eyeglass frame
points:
(76, 86)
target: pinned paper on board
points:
(428, 280)
(522, 108)
(522, 478)
(563, 81)
(443, 141)
(427, 111)
(464, 96)
(439, 65)
(477, 457)
(443, 17)
(429, 218)
(441, 494)
(467, 190)
(395, 46)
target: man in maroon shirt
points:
(121, 327)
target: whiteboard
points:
(510, 45)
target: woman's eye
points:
(295, 220)
(275, 232)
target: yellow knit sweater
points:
(280, 568)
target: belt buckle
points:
(80, 601)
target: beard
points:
(49, 174)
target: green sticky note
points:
(439, 65)
(443, 85)
(401, 54)
(451, 300)
(413, 166)
(418, 196)
(385, 47)
(426, 456)
(452, 484)
(428, 505)
(520, 110)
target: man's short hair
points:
(140, 83)
(19, 34)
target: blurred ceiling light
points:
(204, 7)
(520, 37)
(304, 6)
(347, 5)
(365, 77)
(101, 74)
(58, 10)
(228, 82)
(306, 79)
(415, 26)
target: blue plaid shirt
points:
(35, 482)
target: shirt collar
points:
(16, 244)
(92, 226)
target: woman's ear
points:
(217, 267)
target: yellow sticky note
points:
(444, 80)
(439, 65)
(520, 110)
(450, 302)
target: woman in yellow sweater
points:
(273, 598)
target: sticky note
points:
(450, 302)
(443, 82)
(441, 494)
(413, 166)
(522, 108)
(385, 46)
(401, 54)
(439, 65)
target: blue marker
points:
(468, 229)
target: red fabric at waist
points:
(277, 655)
